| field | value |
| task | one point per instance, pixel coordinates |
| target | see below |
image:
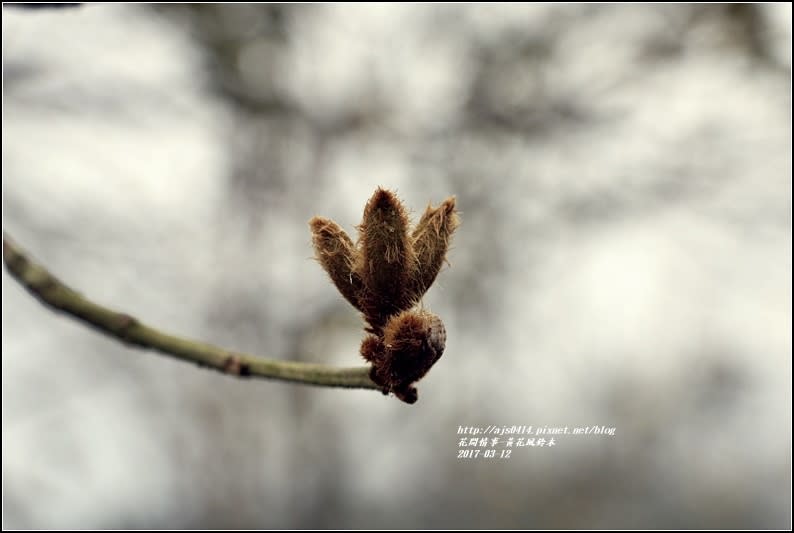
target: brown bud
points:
(384, 276)
(386, 258)
(372, 349)
(337, 254)
(413, 341)
(430, 242)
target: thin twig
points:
(56, 295)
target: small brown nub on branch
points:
(125, 322)
(337, 255)
(386, 258)
(431, 241)
(236, 367)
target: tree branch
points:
(54, 294)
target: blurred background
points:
(624, 179)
